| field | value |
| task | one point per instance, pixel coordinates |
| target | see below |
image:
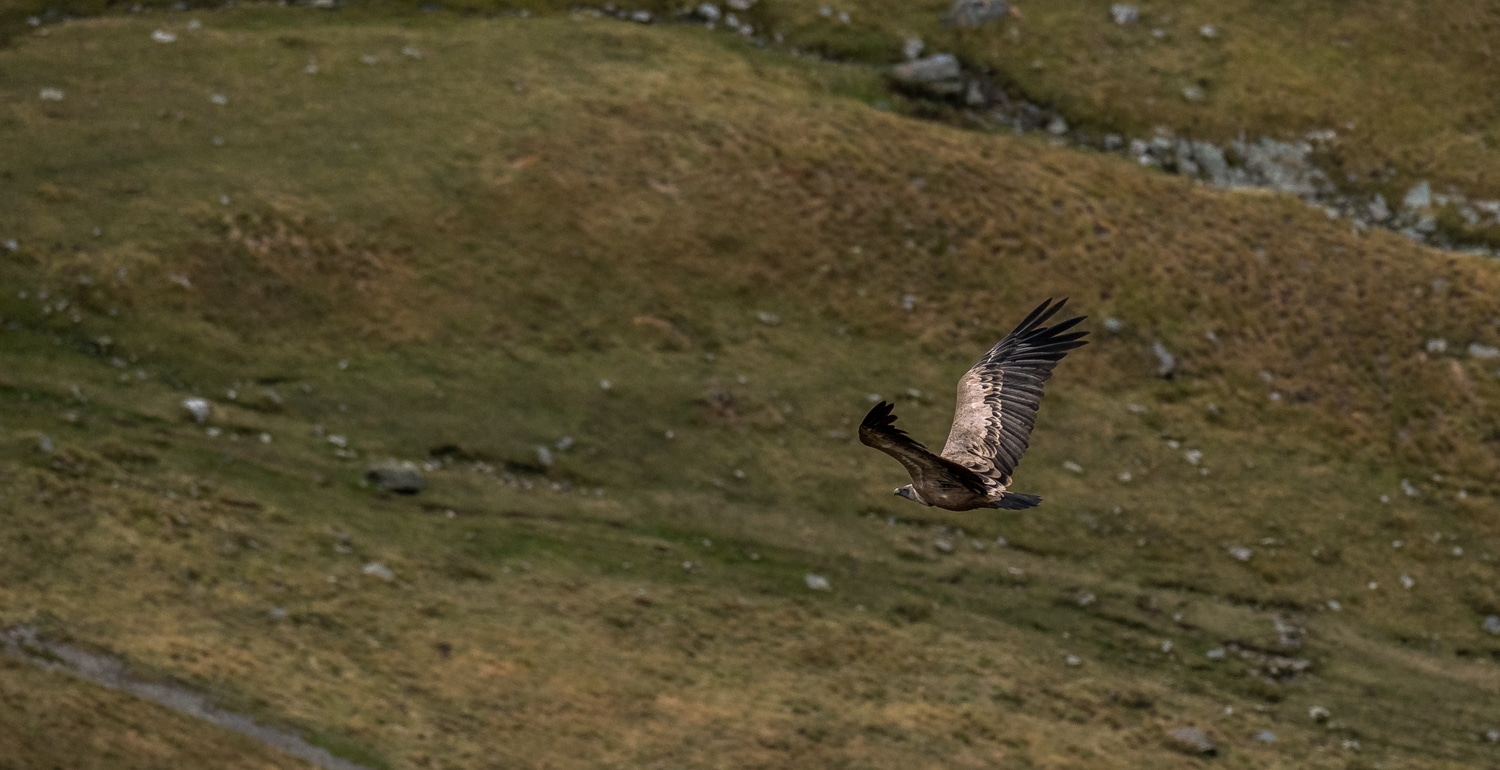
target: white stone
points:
(1124, 14)
(376, 569)
(199, 408)
(1418, 197)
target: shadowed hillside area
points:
(621, 294)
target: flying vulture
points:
(997, 403)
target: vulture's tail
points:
(1016, 501)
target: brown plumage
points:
(997, 404)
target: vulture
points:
(997, 404)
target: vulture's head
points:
(911, 494)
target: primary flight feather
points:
(997, 404)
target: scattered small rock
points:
(1318, 714)
(1241, 552)
(1208, 31)
(939, 74)
(401, 477)
(1193, 94)
(1265, 736)
(198, 408)
(1418, 197)
(1191, 740)
(817, 582)
(1491, 624)
(1288, 635)
(976, 13)
(944, 545)
(1477, 350)
(1271, 665)
(1166, 363)
(1072, 466)
(376, 569)
(51, 94)
(1124, 14)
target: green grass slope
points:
(53, 721)
(1395, 80)
(683, 265)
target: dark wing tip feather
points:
(1058, 336)
(882, 420)
(1032, 324)
(1016, 501)
(1039, 315)
(880, 416)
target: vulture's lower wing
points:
(879, 430)
(998, 398)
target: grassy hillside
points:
(1393, 80)
(683, 265)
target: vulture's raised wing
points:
(999, 396)
(879, 430)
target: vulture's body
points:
(997, 404)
